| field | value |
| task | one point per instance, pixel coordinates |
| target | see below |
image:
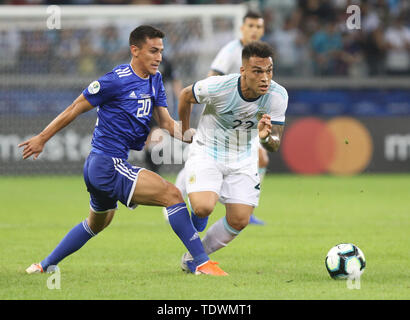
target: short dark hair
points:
(252, 15)
(140, 34)
(257, 49)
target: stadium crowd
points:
(310, 39)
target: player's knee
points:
(239, 223)
(173, 195)
(98, 222)
(202, 209)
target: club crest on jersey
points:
(94, 87)
(192, 179)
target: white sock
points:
(218, 236)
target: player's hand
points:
(189, 135)
(264, 126)
(33, 146)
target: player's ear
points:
(134, 50)
(242, 70)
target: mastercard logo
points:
(341, 146)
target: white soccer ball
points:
(345, 261)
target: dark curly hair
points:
(257, 49)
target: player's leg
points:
(152, 189)
(203, 180)
(227, 228)
(202, 204)
(263, 164)
(99, 221)
(78, 237)
(224, 230)
(102, 210)
(180, 184)
(240, 194)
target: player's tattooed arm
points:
(270, 134)
(186, 100)
(35, 145)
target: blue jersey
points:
(124, 104)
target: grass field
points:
(138, 256)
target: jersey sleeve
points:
(102, 90)
(222, 61)
(278, 107)
(160, 94)
(200, 90)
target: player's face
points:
(252, 30)
(257, 73)
(149, 55)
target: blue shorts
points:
(109, 180)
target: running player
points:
(240, 110)
(126, 99)
(229, 60)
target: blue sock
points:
(178, 217)
(198, 222)
(73, 241)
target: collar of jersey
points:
(137, 74)
(241, 95)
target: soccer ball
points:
(345, 261)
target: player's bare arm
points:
(186, 99)
(35, 145)
(270, 134)
(174, 128)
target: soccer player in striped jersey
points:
(240, 110)
(227, 61)
(126, 99)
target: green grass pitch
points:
(138, 256)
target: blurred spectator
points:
(172, 84)
(24, 2)
(67, 52)
(222, 29)
(374, 49)
(397, 38)
(190, 45)
(370, 19)
(34, 52)
(288, 44)
(87, 59)
(326, 46)
(314, 40)
(9, 45)
(111, 50)
(351, 57)
(320, 9)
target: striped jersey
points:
(124, 104)
(227, 129)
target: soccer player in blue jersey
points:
(126, 100)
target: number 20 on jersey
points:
(144, 107)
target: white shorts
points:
(238, 185)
